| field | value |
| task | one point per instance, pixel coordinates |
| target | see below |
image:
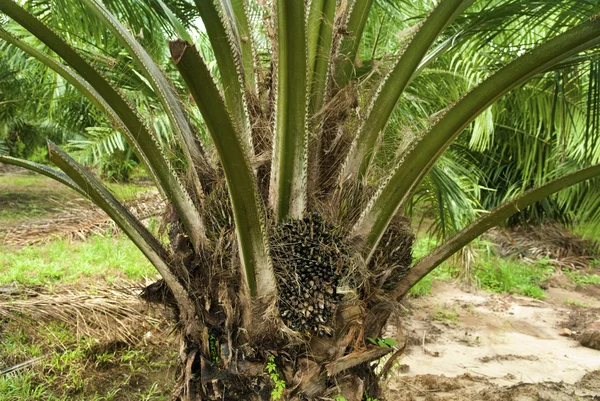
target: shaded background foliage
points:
(548, 127)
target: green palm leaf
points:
(493, 218)
(145, 138)
(423, 154)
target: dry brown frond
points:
(553, 242)
(111, 314)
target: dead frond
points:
(552, 242)
(111, 314)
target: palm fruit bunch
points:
(310, 260)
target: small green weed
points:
(423, 245)
(127, 192)
(73, 369)
(446, 271)
(383, 342)
(587, 231)
(278, 382)
(532, 291)
(152, 393)
(24, 386)
(445, 315)
(580, 278)
(214, 348)
(422, 288)
(574, 302)
(505, 275)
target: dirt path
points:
(483, 346)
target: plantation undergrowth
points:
(66, 367)
(493, 273)
(108, 258)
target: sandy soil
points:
(475, 345)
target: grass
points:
(72, 368)
(30, 196)
(422, 246)
(445, 315)
(574, 302)
(126, 192)
(81, 369)
(587, 231)
(579, 278)
(491, 272)
(78, 368)
(512, 276)
(63, 261)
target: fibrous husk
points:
(392, 259)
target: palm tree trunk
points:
(230, 365)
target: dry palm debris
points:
(552, 242)
(79, 222)
(112, 314)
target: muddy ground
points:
(473, 345)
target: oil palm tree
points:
(284, 254)
(38, 105)
(543, 129)
(27, 118)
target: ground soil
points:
(473, 345)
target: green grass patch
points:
(126, 192)
(447, 270)
(505, 275)
(423, 245)
(21, 180)
(31, 196)
(442, 273)
(422, 288)
(574, 302)
(66, 261)
(580, 278)
(445, 315)
(81, 368)
(588, 231)
(25, 197)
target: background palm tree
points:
(527, 137)
(41, 105)
(286, 241)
